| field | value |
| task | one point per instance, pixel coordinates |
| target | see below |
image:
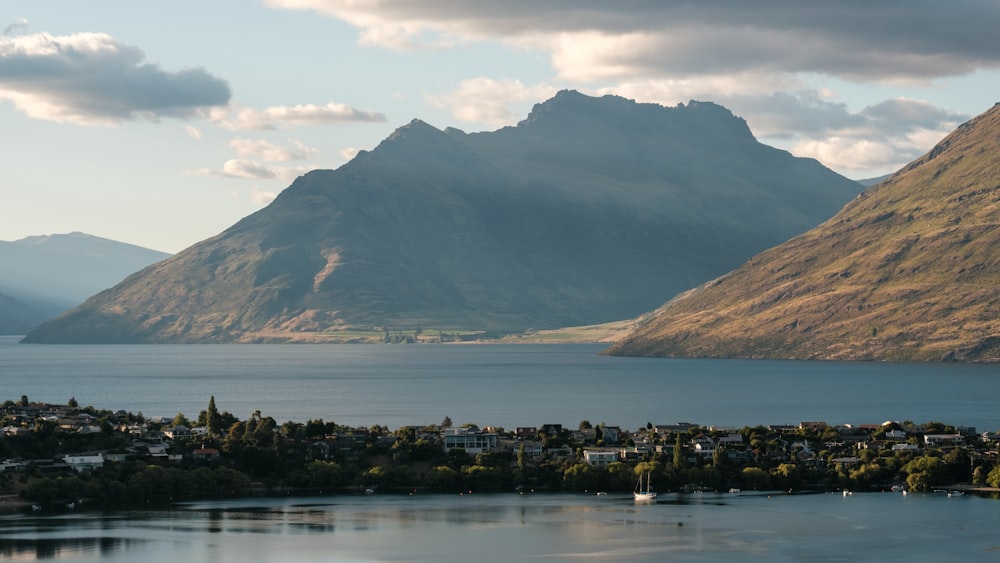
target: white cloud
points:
(484, 100)
(349, 152)
(304, 114)
(193, 131)
(90, 78)
(269, 152)
(262, 197)
(240, 168)
(246, 169)
(20, 24)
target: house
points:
(612, 434)
(584, 436)
(204, 453)
(16, 431)
(179, 431)
(472, 440)
(526, 432)
(600, 457)
(905, 447)
(12, 465)
(552, 429)
(83, 463)
(731, 439)
(895, 435)
(532, 449)
(703, 446)
(943, 439)
(669, 428)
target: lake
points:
(509, 386)
(494, 384)
(508, 527)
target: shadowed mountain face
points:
(45, 275)
(906, 272)
(590, 210)
(16, 317)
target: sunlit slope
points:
(908, 271)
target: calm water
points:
(503, 385)
(487, 528)
(508, 386)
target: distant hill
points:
(869, 182)
(909, 271)
(590, 210)
(16, 317)
(55, 272)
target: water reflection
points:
(504, 527)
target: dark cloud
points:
(854, 39)
(90, 77)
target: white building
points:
(600, 458)
(469, 439)
(83, 463)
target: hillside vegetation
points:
(908, 271)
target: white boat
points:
(643, 493)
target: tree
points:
(71, 403)
(679, 461)
(585, 425)
(213, 420)
(23, 402)
(993, 478)
(925, 472)
(446, 423)
(181, 420)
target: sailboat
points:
(644, 493)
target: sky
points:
(163, 123)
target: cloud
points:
(349, 153)
(304, 114)
(90, 78)
(269, 152)
(811, 122)
(247, 169)
(262, 197)
(484, 100)
(593, 39)
(193, 131)
(13, 29)
(240, 168)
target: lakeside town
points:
(67, 457)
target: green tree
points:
(925, 472)
(993, 478)
(680, 460)
(213, 420)
(325, 475)
(442, 479)
(755, 478)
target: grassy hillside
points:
(908, 271)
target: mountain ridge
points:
(907, 271)
(52, 273)
(591, 216)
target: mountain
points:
(590, 210)
(908, 271)
(55, 272)
(869, 182)
(16, 317)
